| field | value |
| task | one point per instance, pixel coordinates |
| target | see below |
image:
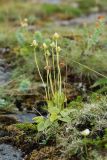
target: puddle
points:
(8, 152)
(25, 117)
(22, 117)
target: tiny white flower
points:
(86, 132)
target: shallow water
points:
(25, 117)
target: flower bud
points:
(25, 20)
(48, 53)
(45, 46)
(56, 36)
(52, 45)
(58, 49)
(34, 43)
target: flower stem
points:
(53, 61)
(40, 73)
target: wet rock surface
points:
(8, 152)
(89, 19)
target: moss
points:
(46, 153)
(27, 127)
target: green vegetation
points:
(58, 73)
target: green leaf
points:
(47, 123)
(24, 50)
(59, 98)
(38, 36)
(47, 41)
(65, 112)
(66, 119)
(53, 110)
(20, 38)
(100, 82)
(24, 85)
(40, 126)
(50, 104)
(53, 117)
(38, 119)
(3, 103)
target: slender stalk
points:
(49, 77)
(65, 82)
(59, 72)
(47, 74)
(35, 56)
(86, 146)
(51, 84)
(102, 75)
(53, 61)
(90, 69)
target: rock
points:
(2, 82)
(8, 152)
(2, 62)
(7, 120)
(4, 50)
(2, 69)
